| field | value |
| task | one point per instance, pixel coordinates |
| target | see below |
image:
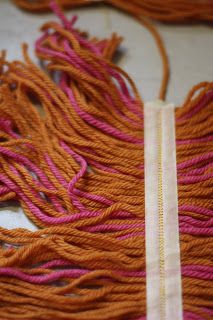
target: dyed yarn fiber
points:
(72, 155)
(165, 11)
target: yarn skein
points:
(76, 167)
(177, 11)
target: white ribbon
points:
(163, 274)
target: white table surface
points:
(190, 50)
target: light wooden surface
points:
(190, 50)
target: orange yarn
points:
(104, 292)
(166, 11)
